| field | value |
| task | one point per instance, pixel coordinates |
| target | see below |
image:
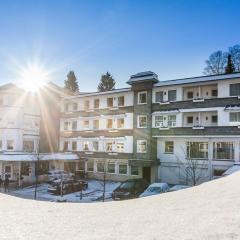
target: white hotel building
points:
(146, 130)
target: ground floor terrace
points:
(205, 157)
(22, 169)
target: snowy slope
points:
(209, 211)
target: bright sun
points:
(33, 77)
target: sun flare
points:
(33, 77)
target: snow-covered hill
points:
(209, 211)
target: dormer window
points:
(142, 97)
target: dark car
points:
(130, 189)
(68, 186)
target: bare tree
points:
(235, 54)
(194, 168)
(216, 63)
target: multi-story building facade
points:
(29, 132)
(151, 128)
(148, 130)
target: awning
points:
(142, 163)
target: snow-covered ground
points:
(93, 193)
(210, 211)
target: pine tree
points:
(71, 82)
(107, 83)
(230, 67)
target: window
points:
(190, 95)
(25, 169)
(100, 166)
(141, 146)
(121, 101)
(74, 125)
(223, 150)
(159, 96)
(74, 146)
(43, 167)
(134, 171)
(109, 123)
(75, 106)
(235, 89)
(171, 121)
(96, 103)
(109, 146)
(214, 93)
(159, 121)
(111, 168)
(86, 105)
(96, 124)
(165, 121)
(81, 166)
(65, 146)
(10, 145)
(142, 121)
(172, 95)
(86, 146)
(95, 146)
(120, 147)
(66, 124)
(142, 97)
(169, 147)
(218, 172)
(197, 150)
(86, 124)
(122, 168)
(234, 116)
(110, 102)
(214, 119)
(90, 166)
(28, 146)
(120, 123)
(189, 119)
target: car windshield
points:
(127, 185)
(154, 189)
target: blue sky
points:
(171, 38)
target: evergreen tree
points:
(107, 83)
(71, 82)
(230, 67)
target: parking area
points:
(93, 193)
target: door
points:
(8, 171)
(146, 173)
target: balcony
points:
(200, 120)
(200, 93)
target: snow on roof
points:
(207, 211)
(14, 157)
(197, 79)
(231, 170)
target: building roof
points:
(197, 79)
(143, 77)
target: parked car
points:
(130, 189)
(178, 187)
(68, 186)
(154, 189)
(58, 174)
